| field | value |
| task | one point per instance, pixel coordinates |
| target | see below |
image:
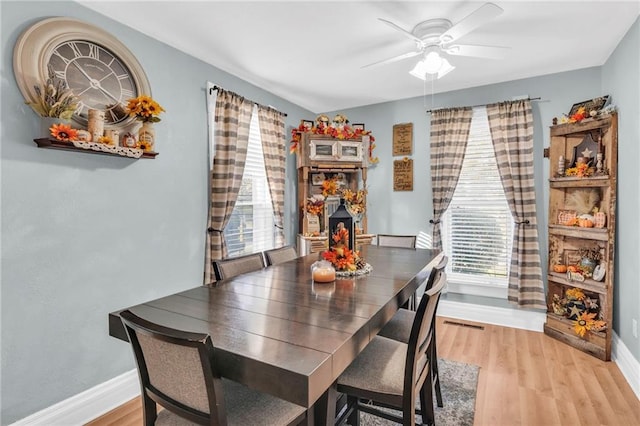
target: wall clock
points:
(98, 68)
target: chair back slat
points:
(280, 255)
(405, 241)
(228, 268)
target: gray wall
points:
(83, 235)
(621, 78)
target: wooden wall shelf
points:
(576, 182)
(49, 143)
(598, 234)
(567, 242)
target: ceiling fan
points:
(435, 37)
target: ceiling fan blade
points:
(477, 18)
(402, 30)
(491, 52)
(394, 59)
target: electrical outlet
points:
(634, 328)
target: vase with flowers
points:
(145, 109)
(54, 102)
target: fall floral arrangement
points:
(341, 257)
(315, 204)
(580, 170)
(144, 108)
(330, 187)
(339, 128)
(582, 309)
(355, 200)
(55, 99)
(578, 116)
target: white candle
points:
(324, 275)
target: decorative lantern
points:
(341, 220)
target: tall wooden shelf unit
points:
(568, 140)
(322, 155)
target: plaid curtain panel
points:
(449, 136)
(274, 149)
(231, 136)
(511, 125)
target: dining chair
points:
(391, 374)
(279, 255)
(177, 371)
(402, 241)
(399, 327)
(227, 268)
(406, 241)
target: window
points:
(478, 225)
(250, 228)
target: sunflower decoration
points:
(580, 170)
(587, 322)
(145, 146)
(106, 140)
(144, 109)
(63, 132)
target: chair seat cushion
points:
(399, 327)
(377, 373)
(245, 407)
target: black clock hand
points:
(91, 80)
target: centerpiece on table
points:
(341, 253)
(145, 109)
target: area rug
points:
(458, 382)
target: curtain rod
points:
(211, 89)
(474, 106)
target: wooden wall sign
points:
(403, 139)
(403, 175)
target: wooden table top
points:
(276, 332)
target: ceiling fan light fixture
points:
(420, 70)
(432, 62)
(445, 69)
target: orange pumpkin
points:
(560, 268)
(585, 223)
(572, 222)
(572, 268)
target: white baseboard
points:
(628, 365)
(92, 403)
(88, 405)
(515, 318)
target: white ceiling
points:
(311, 53)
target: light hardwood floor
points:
(526, 378)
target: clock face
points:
(100, 71)
(96, 76)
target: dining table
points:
(276, 331)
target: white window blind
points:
(251, 228)
(478, 226)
